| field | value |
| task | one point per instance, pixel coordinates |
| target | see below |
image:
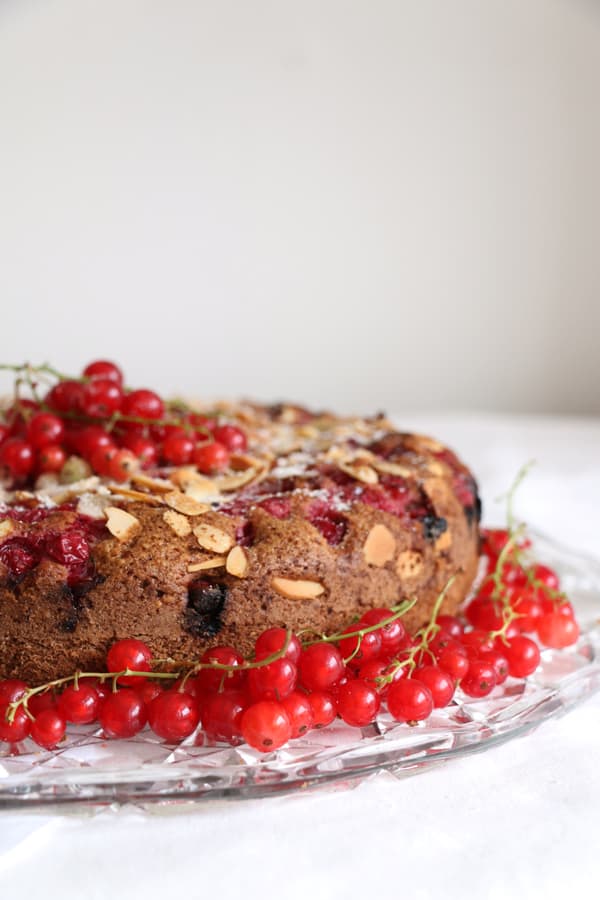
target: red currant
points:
(556, 630)
(11, 689)
(528, 607)
(215, 679)
(102, 368)
(497, 658)
(37, 703)
(79, 705)
(523, 656)
(453, 660)
(374, 671)
(358, 703)
(266, 725)
(17, 457)
(48, 728)
(143, 404)
(274, 681)
(44, 429)
(18, 729)
(320, 666)
(323, 708)
(129, 653)
(300, 714)
(177, 449)
(359, 649)
(173, 715)
(232, 437)
(101, 459)
(439, 683)
(122, 714)
(65, 397)
(121, 464)
(92, 438)
(409, 700)
(546, 576)
(272, 641)
(222, 715)
(480, 679)
(451, 625)
(51, 459)
(101, 398)
(211, 457)
(485, 614)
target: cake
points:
(309, 521)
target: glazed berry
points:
(129, 654)
(44, 429)
(212, 457)
(358, 703)
(18, 729)
(273, 640)
(480, 679)
(177, 449)
(65, 397)
(143, 404)
(102, 368)
(409, 700)
(222, 715)
(439, 683)
(173, 715)
(17, 457)
(79, 705)
(122, 714)
(231, 437)
(557, 630)
(266, 725)
(273, 681)
(320, 666)
(101, 398)
(50, 459)
(48, 728)
(300, 713)
(523, 656)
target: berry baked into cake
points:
(122, 515)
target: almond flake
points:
(212, 538)
(233, 482)
(6, 527)
(156, 485)
(120, 523)
(388, 468)
(178, 523)
(215, 562)
(409, 564)
(139, 496)
(185, 504)
(379, 546)
(360, 471)
(237, 562)
(297, 588)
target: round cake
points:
(312, 520)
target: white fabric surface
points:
(520, 820)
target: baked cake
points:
(310, 520)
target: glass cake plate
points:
(88, 769)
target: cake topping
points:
(121, 524)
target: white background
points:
(356, 204)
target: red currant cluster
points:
(115, 430)
(289, 687)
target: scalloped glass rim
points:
(89, 770)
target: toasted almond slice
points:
(444, 541)
(379, 546)
(409, 564)
(233, 482)
(212, 538)
(297, 588)
(120, 523)
(388, 468)
(6, 527)
(189, 480)
(237, 562)
(178, 523)
(139, 496)
(214, 562)
(185, 504)
(156, 485)
(93, 505)
(360, 471)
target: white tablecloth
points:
(521, 820)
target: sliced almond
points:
(379, 546)
(362, 472)
(212, 538)
(233, 482)
(185, 504)
(237, 562)
(389, 468)
(214, 562)
(93, 505)
(131, 494)
(156, 485)
(6, 528)
(297, 588)
(178, 523)
(120, 523)
(444, 541)
(409, 564)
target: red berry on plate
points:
(11, 689)
(173, 715)
(454, 660)
(232, 437)
(451, 625)
(143, 404)
(523, 656)
(177, 449)
(17, 457)
(297, 706)
(480, 679)
(359, 649)
(212, 457)
(18, 729)
(65, 397)
(48, 728)
(320, 666)
(37, 703)
(102, 368)
(222, 715)
(129, 653)
(101, 398)
(266, 725)
(323, 708)
(273, 681)
(79, 705)
(556, 630)
(272, 641)
(218, 679)
(121, 464)
(485, 614)
(409, 700)
(92, 438)
(439, 682)
(358, 702)
(122, 714)
(546, 576)
(43, 429)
